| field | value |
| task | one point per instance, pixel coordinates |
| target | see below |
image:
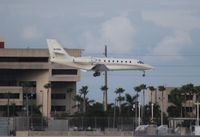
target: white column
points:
(152, 112)
(197, 113)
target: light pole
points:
(8, 112)
(139, 114)
(133, 117)
(152, 112)
(114, 115)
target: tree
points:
(137, 89)
(84, 91)
(120, 98)
(104, 89)
(129, 105)
(79, 102)
(151, 88)
(162, 89)
(177, 99)
(186, 90)
(156, 113)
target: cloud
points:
(180, 23)
(92, 14)
(30, 33)
(118, 33)
(176, 19)
(170, 47)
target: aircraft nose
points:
(149, 67)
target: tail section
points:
(56, 51)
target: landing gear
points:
(143, 74)
(96, 74)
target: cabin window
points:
(121, 61)
(130, 61)
(117, 61)
(113, 61)
(108, 60)
(104, 60)
(126, 61)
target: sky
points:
(164, 34)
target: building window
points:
(29, 84)
(64, 72)
(58, 96)
(23, 59)
(188, 109)
(9, 95)
(140, 62)
(8, 83)
(58, 108)
(189, 97)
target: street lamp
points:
(152, 112)
(133, 116)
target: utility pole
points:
(105, 94)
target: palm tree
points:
(104, 89)
(120, 98)
(79, 102)
(151, 88)
(177, 99)
(161, 89)
(137, 89)
(84, 91)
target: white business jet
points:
(98, 65)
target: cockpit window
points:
(140, 62)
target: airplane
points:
(96, 64)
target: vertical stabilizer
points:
(56, 51)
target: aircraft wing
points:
(100, 67)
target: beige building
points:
(18, 66)
(156, 96)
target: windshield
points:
(140, 62)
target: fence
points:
(71, 124)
